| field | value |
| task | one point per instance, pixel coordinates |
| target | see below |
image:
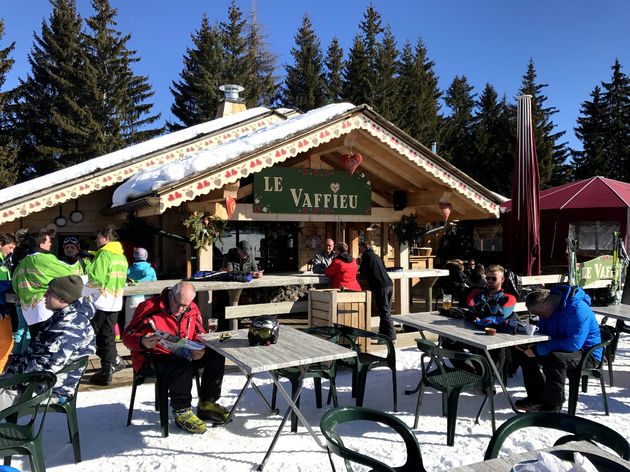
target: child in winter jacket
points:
(140, 270)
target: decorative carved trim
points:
(291, 148)
(120, 175)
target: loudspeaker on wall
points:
(400, 200)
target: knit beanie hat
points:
(140, 254)
(68, 288)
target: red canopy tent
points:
(597, 199)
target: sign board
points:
(595, 269)
(312, 191)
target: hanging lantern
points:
(352, 161)
(230, 205)
(445, 208)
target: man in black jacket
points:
(373, 269)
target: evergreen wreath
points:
(205, 229)
(407, 230)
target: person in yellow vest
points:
(107, 275)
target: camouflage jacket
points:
(64, 338)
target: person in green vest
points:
(31, 277)
(107, 275)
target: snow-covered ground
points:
(108, 445)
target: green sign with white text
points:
(315, 191)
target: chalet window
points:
(593, 236)
(274, 244)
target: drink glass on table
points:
(213, 324)
(447, 301)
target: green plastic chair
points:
(335, 445)
(69, 407)
(611, 350)
(452, 381)
(316, 372)
(583, 371)
(364, 362)
(18, 439)
(161, 395)
(580, 428)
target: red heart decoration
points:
(230, 205)
(352, 161)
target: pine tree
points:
(494, 138)
(57, 63)
(260, 64)
(8, 149)
(118, 99)
(591, 130)
(419, 95)
(386, 100)
(551, 154)
(371, 27)
(197, 94)
(357, 88)
(305, 84)
(616, 99)
(457, 127)
(334, 66)
(234, 46)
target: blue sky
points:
(573, 43)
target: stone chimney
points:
(231, 103)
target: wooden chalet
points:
(244, 156)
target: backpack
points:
(513, 284)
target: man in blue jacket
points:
(565, 315)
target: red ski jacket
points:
(343, 272)
(155, 310)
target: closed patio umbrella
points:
(525, 214)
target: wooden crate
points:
(332, 306)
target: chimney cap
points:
(231, 91)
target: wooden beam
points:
(245, 212)
(231, 190)
(380, 200)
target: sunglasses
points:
(492, 279)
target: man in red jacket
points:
(175, 312)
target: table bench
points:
(293, 349)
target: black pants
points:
(103, 325)
(549, 390)
(383, 298)
(178, 375)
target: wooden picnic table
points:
(269, 280)
(293, 349)
(465, 332)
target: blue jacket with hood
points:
(572, 326)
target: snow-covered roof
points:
(16, 201)
(171, 172)
(204, 171)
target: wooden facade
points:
(393, 161)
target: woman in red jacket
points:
(343, 269)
